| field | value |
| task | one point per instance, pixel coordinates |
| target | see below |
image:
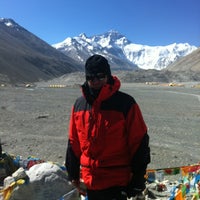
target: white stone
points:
(46, 182)
(19, 174)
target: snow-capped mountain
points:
(121, 52)
(108, 45)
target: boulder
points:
(45, 181)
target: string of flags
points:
(187, 186)
(189, 183)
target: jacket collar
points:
(106, 91)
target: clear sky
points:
(148, 22)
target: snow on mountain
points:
(7, 22)
(157, 57)
(116, 46)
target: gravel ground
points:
(34, 121)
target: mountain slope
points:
(117, 47)
(190, 62)
(26, 58)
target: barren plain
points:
(34, 121)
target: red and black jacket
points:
(108, 139)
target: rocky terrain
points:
(34, 121)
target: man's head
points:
(97, 71)
(97, 64)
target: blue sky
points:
(148, 22)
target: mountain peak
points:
(8, 22)
(83, 35)
(112, 34)
(27, 58)
(113, 44)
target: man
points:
(108, 137)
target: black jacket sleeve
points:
(72, 164)
(139, 163)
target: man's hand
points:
(76, 183)
(80, 186)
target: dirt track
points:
(34, 121)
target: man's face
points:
(96, 81)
